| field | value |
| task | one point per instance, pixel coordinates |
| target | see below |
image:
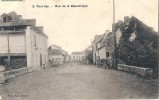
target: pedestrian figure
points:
(107, 64)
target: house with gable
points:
(140, 41)
(99, 46)
(95, 42)
(57, 55)
(22, 43)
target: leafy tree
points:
(90, 57)
(143, 50)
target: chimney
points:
(119, 23)
(107, 31)
(126, 18)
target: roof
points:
(54, 52)
(76, 53)
(110, 33)
(87, 51)
(23, 22)
(98, 38)
(16, 21)
(55, 47)
(38, 31)
(134, 20)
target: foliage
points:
(142, 51)
(90, 57)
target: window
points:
(107, 54)
(34, 40)
(4, 19)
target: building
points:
(57, 55)
(137, 36)
(109, 45)
(99, 46)
(77, 56)
(22, 43)
(96, 40)
(127, 33)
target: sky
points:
(74, 28)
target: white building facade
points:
(77, 56)
(22, 42)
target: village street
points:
(77, 81)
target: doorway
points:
(40, 60)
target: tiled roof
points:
(16, 20)
(73, 53)
(110, 33)
(54, 52)
(98, 38)
(24, 22)
(87, 51)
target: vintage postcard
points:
(78, 49)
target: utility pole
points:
(8, 46)
(115, 51)
(8, 50)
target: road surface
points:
(78, 81)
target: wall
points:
(94, 53)
(118, 35)
(17, 43)
(77, 57)
(3, 44)
(36, 48)
(110, 44)
(18, 46)
(102, 53)
(58, 59)
(146, 72)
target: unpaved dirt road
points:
(77, 82)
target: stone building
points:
(96, 40)
(57, 55)
(99, 46)
(22, 42)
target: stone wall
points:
(13, 73)
(9, 74)
(145, 72)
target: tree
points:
(142, 51)
(89, 57)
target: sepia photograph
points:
(79, 49)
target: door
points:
(40, 60)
